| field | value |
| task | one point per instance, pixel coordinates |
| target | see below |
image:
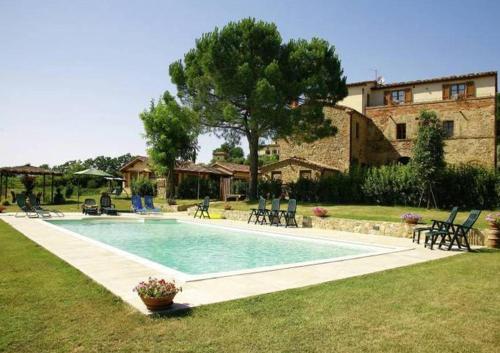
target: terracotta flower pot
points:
(158, 304)
(411, 221)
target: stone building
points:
(377, 124)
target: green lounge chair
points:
(289, 213)
(436, 225)
(107, 207)
(456, 233)
(203, 208)
(90, 207)
(27, 209)
(274, 214)
(258, 212)
(35, 204)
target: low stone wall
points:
(403, 230)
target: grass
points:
(450, 305)
(367, 212)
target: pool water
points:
(197, 249)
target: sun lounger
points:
(456, 233)
(149, 205)
(258, 212)
(106, 206)
(274, 214)
(289, 213)
(90, 207)
(35, 204)
(436, 225)
(137, 205)
(26, 208)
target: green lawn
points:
(450, 305)
(367, 212)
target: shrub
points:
(6, 203)
(143, 187)
(269, 188)
(188, 188)
(58, 197)
(390, 185)
(68, 190)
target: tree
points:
(428, 154)
(235, 154)
(171, 134)
(245, 82)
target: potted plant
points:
(493, 220)
(320, 211)
(411, 218)
(157, 294)
(227, 206)
(2, 208)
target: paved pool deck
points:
(120, 273)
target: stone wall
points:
(399, 229)
(331, 151)
(474, 130)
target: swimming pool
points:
(201, 251)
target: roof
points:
(361, 83)
(437, 79)
(28, 169)
(133, 161)
(295, 160)
(232, 167)
(191, 167)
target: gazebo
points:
(7, 172)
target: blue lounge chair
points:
(150, 207)
(137, 205)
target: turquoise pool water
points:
(198, 249)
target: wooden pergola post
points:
(43, 190)
(52, 189)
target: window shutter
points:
(471, 89)
(387, 98)
(408, 95)
(446, 92)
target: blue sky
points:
(74, 75)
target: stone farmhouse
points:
(377, 124)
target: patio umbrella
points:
(90, 172)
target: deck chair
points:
(274, 214)
(27, 209)
(150, 207)
(203, 208)
(289, 213)
(436, 225)
(90, 207)
(35, 204)
(137, 205)
(456, 233)
(258, 212)
(106, 206)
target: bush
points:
(269, 188)
(58, 197)
(188, 188)
(68, 190)
(143, 187)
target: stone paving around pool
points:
(120, 273)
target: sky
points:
(74, 75)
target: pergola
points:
(7, 172)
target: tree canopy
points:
(244, 81)
(234, 153)
(171, 134)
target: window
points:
(305, 174)
(268, 152)
(357, 130)
(401, 131)
(448, 127)
(276, 175)
(458, 90)
(398, 97)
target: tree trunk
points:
(170, 182)
(253, 144)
